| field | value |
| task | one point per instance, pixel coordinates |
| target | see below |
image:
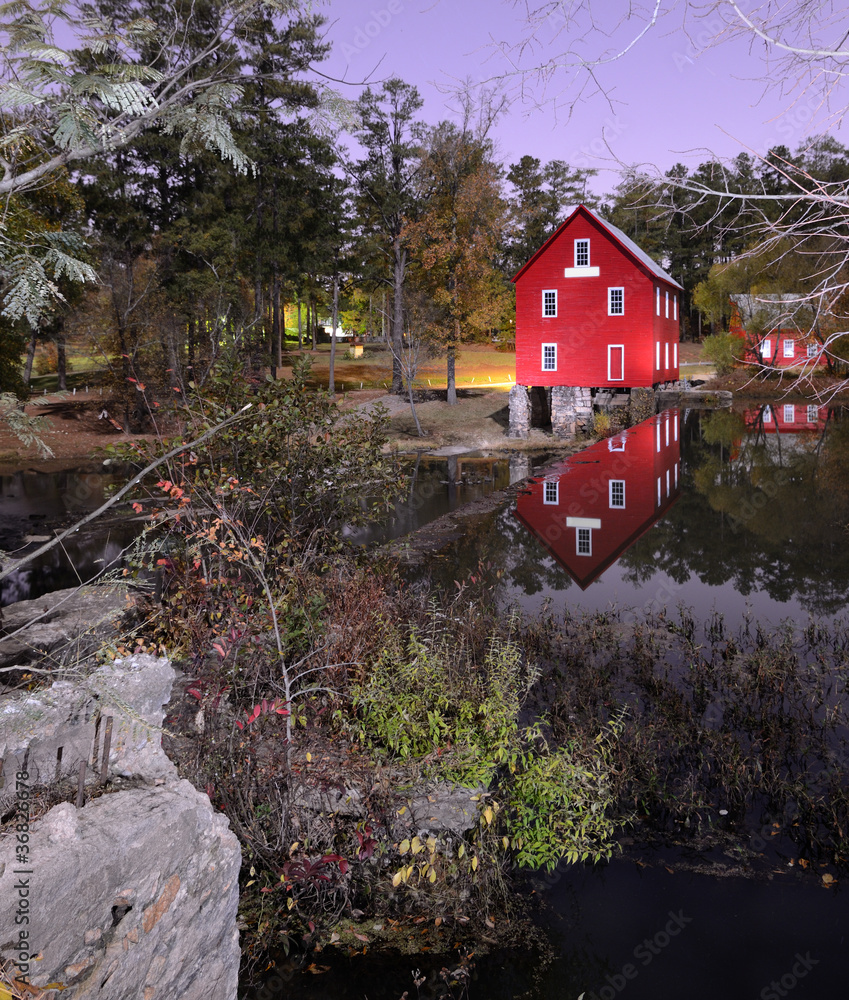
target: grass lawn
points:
(477, 364)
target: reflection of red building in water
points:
(786, 418)
(593, 506)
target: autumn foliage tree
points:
(457, 239)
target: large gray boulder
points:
(54, 729)
(133, 897)
(66, 624)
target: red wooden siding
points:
(645, 459)
(775, 356)
(583, 331)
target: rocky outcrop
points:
(48, 733)
(695, 398)
(64, 624)
(134, 895)
(443, 808)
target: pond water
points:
(653, 930)
(727, 511)
(34, 502)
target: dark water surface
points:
(648, 931)
(724, 511)
(37, 502)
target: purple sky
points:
(674, 96)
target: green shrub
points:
(724, 350)
(426, 700)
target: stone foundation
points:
(519, 405)
(571, 410)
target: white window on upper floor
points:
(675, 306)
(813, 350)
(582, 253)
(789, 348)
(615, 301)
(789, 413)
(616, 443)
(616, 492)
(549, 302)
(584, 539)
(658, 301)
(767, 415)
(551, 492)
(549, 357)
(667, 305)
(813, 414)
(766, 348)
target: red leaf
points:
(343, 866)
(240, 725)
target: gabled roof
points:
(778, 311)
(625, 241)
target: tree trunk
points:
(419, 430)
(277, 342)
(61, 359)
(398, 273)
(30, 358)
(334, 315)
(314, 326)
(300, 328)
(452, 383)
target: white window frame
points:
(551, 492)
(610, 378)
(611, 295)
(543, 366)
(789, 413)
(675, 354)
(666, 355)
(675, 306)
(789, 349)
(616, 443)
(667, 304)
(659, 488)
(813, 350)
(587, 535)
(582, 248)
(610, 494)
(813, 414)
(549, 315)
(657, 356)
(767, 414)
(658, 300)
(766, 347)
